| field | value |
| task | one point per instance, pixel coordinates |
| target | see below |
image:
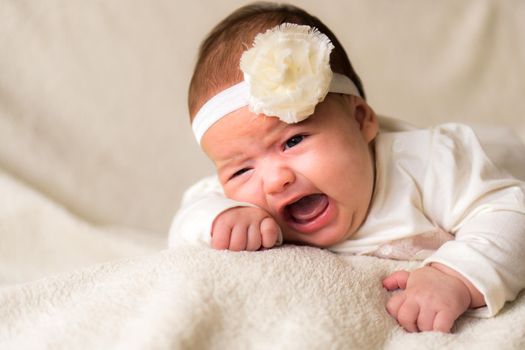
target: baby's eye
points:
(239, 172)
(294, 141)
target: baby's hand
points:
(244, 228)
(432, 299)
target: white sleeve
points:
(201, 204)
(484, 208)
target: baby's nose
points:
(277, 178)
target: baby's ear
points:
(365, 117)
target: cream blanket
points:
(127, 293)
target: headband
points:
(286, 74)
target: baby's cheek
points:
(247, 193)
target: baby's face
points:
(315, 178)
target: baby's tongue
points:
(308, 207)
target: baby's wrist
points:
(476, 298)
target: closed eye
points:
(293, 141)
(239, 172)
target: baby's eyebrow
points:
(230, 161)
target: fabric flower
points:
(288, 71)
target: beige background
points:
(92, 93)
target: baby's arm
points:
(465, 195)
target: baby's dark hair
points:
(218, 61)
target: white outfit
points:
(430, 184)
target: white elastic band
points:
(236, 96)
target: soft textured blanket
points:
(287, 298)
(143, 297)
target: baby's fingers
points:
(254, 238)
(425, 320)
(396, 280)
(444, 321)
(407, 315)
(394, 303)
(270, 231)
(238, 238)
(221, 233)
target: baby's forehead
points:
(239, 130)
(242, 129)
(244, 125)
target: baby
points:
(278, 108)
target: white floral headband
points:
(286, 74)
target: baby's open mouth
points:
(308, 208)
